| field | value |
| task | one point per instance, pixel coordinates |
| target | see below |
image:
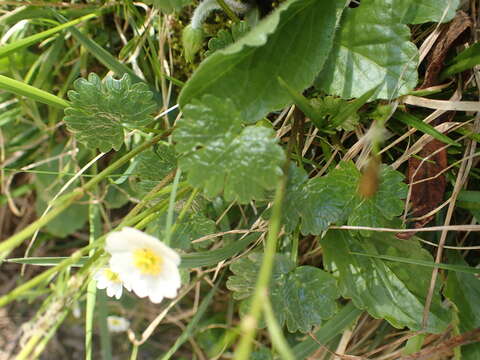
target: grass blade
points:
(18, 45)
(412, 121)
(467, 59)
(22, 89)
(430, 264)
(193, 323)
(276, 333)
(303, 104)
(352, 108)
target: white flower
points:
(108, 279)
(76, 312)
(144, 264)
(117, 324)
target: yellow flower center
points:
(147, 261)
(112, 276)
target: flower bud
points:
(192, 39)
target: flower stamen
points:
(111, 276)
(147, 262)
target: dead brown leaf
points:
(428, 187)
(445, 347)
(450, 36)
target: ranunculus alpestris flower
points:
(109, 280)
(117, 324)
(144, 264)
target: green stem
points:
(64, 202)
(95, 230)
(228, 11)
(249, 323)
(141, 220)
(171, 205)
(276, 333)
(184, 210)
(147, 198)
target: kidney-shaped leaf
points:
(421, 11)
(292, 43)
(371, 48)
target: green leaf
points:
(463, 290)
(299, 32)
(412, 121)
(213, 257)
(421, 11)
(222, 155)
(153, 165)
(429, 264)
(309, 297)
(329, 107)
(371, 48)
(69, 221)
(384, 205)
(100, 110)
(467, 59)
(328, 199)
(194, 227)
(347, 116)
(301, 297)
(48, 184)
(245, 271)
(316, 115)
(331, 199)
(227, 37)
(336, 325)
(263, 353)
(116, 196)
(293, 200)
(169, 5)
(385, 289)
(469, 199)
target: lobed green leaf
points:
(154, 164)
(333, 198)
(384, 205)
(221, 155)
(100, 110)
(301, 296)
